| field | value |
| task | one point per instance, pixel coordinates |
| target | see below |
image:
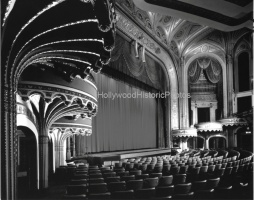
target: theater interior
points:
(126, 99)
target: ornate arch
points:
(223, 65)
(22, 120)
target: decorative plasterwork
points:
(188, 132)
(136, 33)
(221, 14)
(23, 110)
(234, 121)
(204, 47)
(69, 95)
(203, 97)
(242, 46)
(208, 126)
(77, 129)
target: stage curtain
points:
(122, 123)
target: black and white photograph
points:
(126, 99)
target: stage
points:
(109, 158)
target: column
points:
(206, 146)
(74, 148)
(44, 165)
(195, 113)
(183, 102)
(68, 148)
(230, 136)
(194, 142)
(230, 83)
(59, 158)
(184, 143)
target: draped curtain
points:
(211, 69)
(122, 123)
(127, 58)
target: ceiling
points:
(184, 32)
(225, 15)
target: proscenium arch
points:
(164, 67)
(22, 120)
(224, 75)
(168, 67)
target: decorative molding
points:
(234, 121)
(243, 46)
(188, 132)
(209, 126)
(71, 130)
(203, 97)
(136, 33)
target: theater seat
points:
(127, 194)
(182, 188)
(135, 172)
(212, 183)
(166, 180)
(150, 182)
(98, 188)
(179, 179)
(142, 176)
(127, 178)
(204, 194)
(116, 186)
(76, 189)
(184, 196)
(112, 179)
(223, 192)
(146, 193)
(134, 185)
(153, 175)
(165, 191)
(198, 185)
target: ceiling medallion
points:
(204, 48)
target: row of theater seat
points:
(117, 182)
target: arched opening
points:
(27, 162)
(243, 72)
(205, 85)
(217, 143)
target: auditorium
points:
(126, 99)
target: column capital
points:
(229, 58)
(182, 61)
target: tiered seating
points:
(200, 177)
